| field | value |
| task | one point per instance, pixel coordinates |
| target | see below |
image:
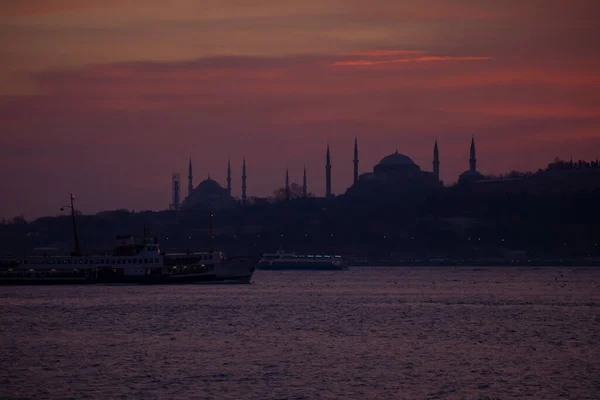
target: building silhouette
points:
(175, 203)
(229, 176)
(355, 177)
(304, 187)
(471, 175)
(287, 184)
(327, 173)
(190, 179)
(558, 177)
(244, 195)
(396, 174)
(436, 161)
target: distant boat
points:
(281, 260)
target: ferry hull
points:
(237, 270)
(158, 280)
(43, 281)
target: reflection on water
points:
(386, 333)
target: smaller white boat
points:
(282, 260)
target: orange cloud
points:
(383, 53)
(406, 60)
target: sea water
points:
(367, 333)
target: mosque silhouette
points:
(395, 173)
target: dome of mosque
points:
(470, 176)
(396, 159)
(208, 185)
(210, 194)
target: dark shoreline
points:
(480, 263)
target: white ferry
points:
(282, 260)
(129, 263)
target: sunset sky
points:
(107, 98)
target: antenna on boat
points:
(77, 251)
(210, 232)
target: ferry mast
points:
(77, 251)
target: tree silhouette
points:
(295, 192)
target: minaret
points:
(355, 160)
(229, 177)
(473, 160)
(244, 198)
(436, 161)
(328, 173)
(190, 179)
(304, 188)
(287, 184)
